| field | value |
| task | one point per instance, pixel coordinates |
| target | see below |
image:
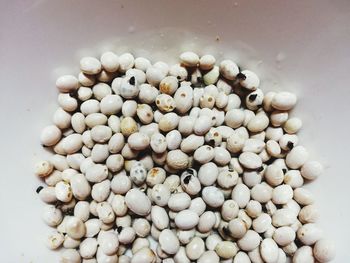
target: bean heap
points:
(194, 156)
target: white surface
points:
(302, 46)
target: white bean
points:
(88, 248)
(168, 85)
(309, 234)
(249, 241)
(269, 250)
(195, 248)
(311, 170)
(168, 242)
(138, 202)
(109, 243)
(189, 59)
(209, 257)
(284, 101)
(241, 195)
(90, 65)
(297, 157)
(70, 256)
(50, 135)
(67, 83)
(284, 235)
(212, 196)
(324, 250)
(283, 217)
(212, 76)
(207, 62)
(186, 219)
(250, 160)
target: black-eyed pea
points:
(229, 69)
(248, 79)
(178, 71)
(254, 100)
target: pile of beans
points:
(194, 156)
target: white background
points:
(301, 46)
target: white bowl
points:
(301, 46)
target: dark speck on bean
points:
(132, 80)
(39, 189)
(260, 169)
(187, 179)
(241, 76)
(252, 97)
(290, 145)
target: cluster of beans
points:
(194, 156)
